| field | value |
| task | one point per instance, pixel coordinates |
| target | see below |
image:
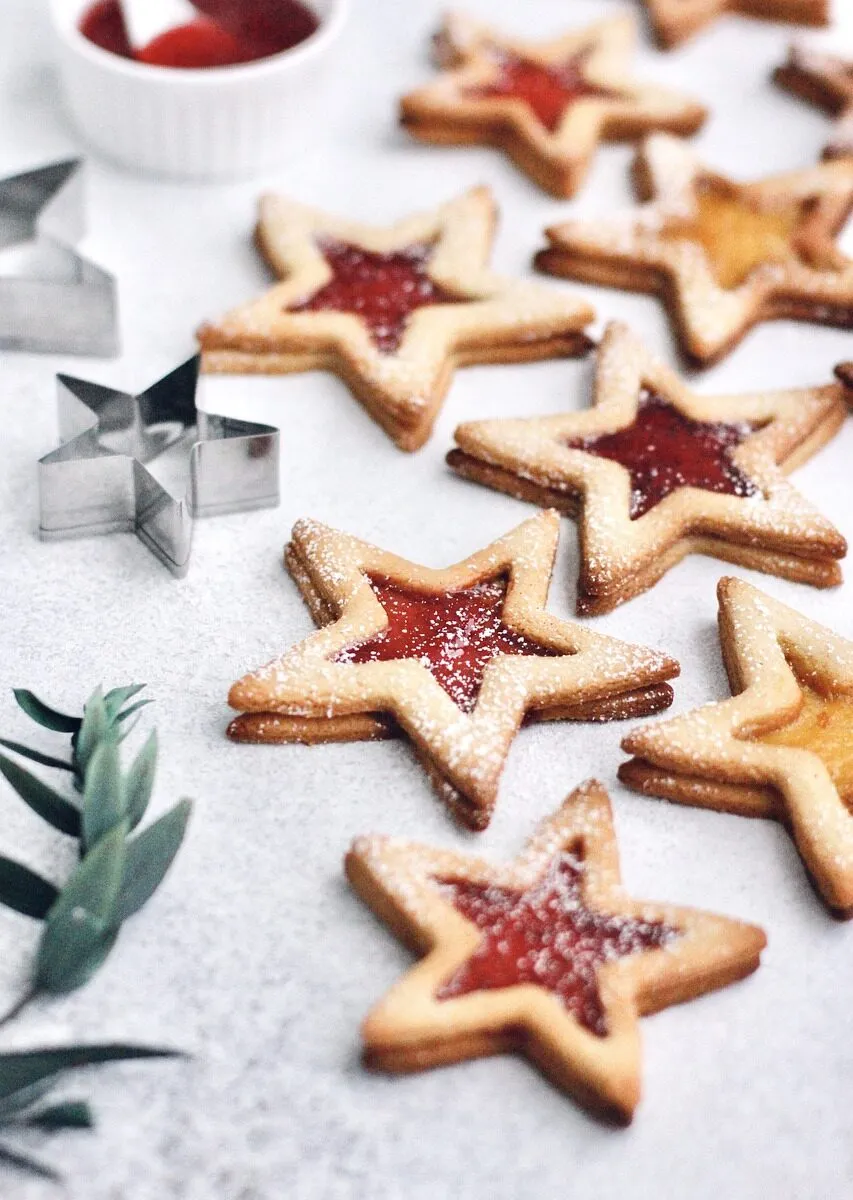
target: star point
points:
(674, 21)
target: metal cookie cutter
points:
(97, 483)
(53, 301)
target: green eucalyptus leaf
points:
(36, 755)
(94, 729)
(42, 715)
(24, 1162)
(70, 1114)
(103, 794)
(127, 730)
(116, 697)
(127, 712)
(12, 1106)
(24, 891)
(24, 1068)
(43, 800)
(81, 928)
(149, 857)
(139, 781)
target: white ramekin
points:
(220, 123)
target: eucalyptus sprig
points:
(116, 875)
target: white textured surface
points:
(255, 956)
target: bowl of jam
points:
(221, 96)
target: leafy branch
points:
(116, 875)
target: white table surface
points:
(255, 956)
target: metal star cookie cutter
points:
(97, 482)
(53, 301)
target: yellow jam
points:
(736, 235)
(824, 726)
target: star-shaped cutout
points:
(392, 310)
(724, 256)
(546, 955)
(676, 20)
(452, 658)
(99, 482)
(654, 472)
(825, 79)
(546, 104)
(780, 748)
(54, 301)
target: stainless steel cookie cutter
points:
(97, 481)
(53, 301)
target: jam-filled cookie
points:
(453, 658)
(676, 20)
(782, 747)
(723, 256)
(824, 79)
(654, 472)
(391, 310)
(546, 104)
(546, 955)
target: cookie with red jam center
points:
(653, 472)
(546, 955)
(453, 659)
(392, 310)
(547, 105)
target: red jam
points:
(382, 289)
(547, 936)
(227, 33)
(547, 90)
(664, 450)
(453, 634)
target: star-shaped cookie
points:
(546, 104)
(825, 80)
(546, 955)
(392, 309)
(781, 747)
(676, 20)
(452, 658)
(723, 256)
(654, 472)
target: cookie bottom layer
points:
(593, 599)
(736, 799)
(409, 426)
(605, 271)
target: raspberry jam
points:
(453, 634)
(664, 450)
(546, 936)
(547, 90)
(383, 290)
(227, 33)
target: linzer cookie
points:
(676, 20)
(654, 472)
(722, 255)
(825, 80)
(781, 747)
(391, 310)
(545, 104)
(546, 955)
(454, 658)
